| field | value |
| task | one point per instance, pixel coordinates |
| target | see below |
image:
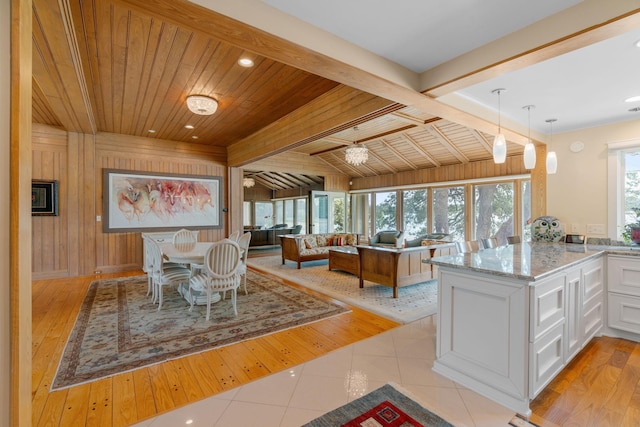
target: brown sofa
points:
(310, 247)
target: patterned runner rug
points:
(386, 406)
(118, 329)
(413, 302)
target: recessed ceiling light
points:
(195, 137)
(638, 43)
(151, 131)
(633, 99)
(190, 127)
(245, 62)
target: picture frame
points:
(44, 197)
(147, 201)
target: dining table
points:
(191, 254)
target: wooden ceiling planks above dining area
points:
(126, 67)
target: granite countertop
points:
(529, 261)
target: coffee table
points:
(344, 258)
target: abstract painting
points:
(134, 201)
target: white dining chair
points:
(234, 236)
(220, 274)
(243, 242)
(467, 247)
(489, 243)
(164, 275)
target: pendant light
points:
(499, 143)
(529, 148)
(552, 160)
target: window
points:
(264, 214)
(493, 211)
(449, 212)
(301, 214)
(525, 219)
(278, 216)
(623, 166)
(385, 211)
(246, 214)
(414, 213)
(288, 213)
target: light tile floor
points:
(403, 355)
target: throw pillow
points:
(310, 243)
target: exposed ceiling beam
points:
(421, 150)
(398, 154)
(437, 133)
(482, 140)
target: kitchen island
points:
(510, 318)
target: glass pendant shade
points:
(552, 162)
(248, 182)
(356, 155)
(499, 149)
(529, 156)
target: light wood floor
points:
(131, 397)
(600, 387)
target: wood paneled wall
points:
(73, 242)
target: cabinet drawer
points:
(623, 275)
(624, 312)
(547, 305)
(546, 358)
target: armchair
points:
(386, 238)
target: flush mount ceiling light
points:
(633, 99)
(499, 143)
(356, 154)
(202, 105)
(552, 159)
(248, 182)
(529, 148)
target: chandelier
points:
(202, 105)
(356, 154)
(248, 182)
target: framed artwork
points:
(44, 198)
(144, 201)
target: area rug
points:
(413, 302)
(118, 329)
(386, 406)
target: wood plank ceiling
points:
(109, 66)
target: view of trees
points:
(448, 212)
(385, 211)
(493, 211)
(414, 208)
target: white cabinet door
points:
(592, 298)
(546, 359)
(573, 326)
(547, 305)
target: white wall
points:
(577, 194)
(5, 85)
